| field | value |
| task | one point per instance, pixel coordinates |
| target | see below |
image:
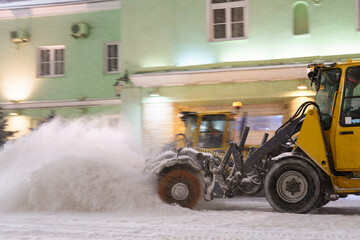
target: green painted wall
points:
(174, 33)
(70, 113)
(147, 32)
(84, 75)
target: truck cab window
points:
(350, 112)
(212, 131)
(329, 84)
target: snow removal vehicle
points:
(312, 159)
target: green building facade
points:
(46, 67)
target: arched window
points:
(301, 19)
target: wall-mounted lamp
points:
(118, 86)
(19, 36)
(237, 105)
(302, 87)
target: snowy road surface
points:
(80, 180)
(240, 218)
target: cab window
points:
(212, 131)
(350, 111)
(329, 84)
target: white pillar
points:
(131, 114)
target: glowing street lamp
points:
(118, 86)
(237, 105)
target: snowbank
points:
(75, 166)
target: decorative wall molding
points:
(61, 104)
(44, 10)
(217, 76)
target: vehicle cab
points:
(209, 129)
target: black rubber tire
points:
(184, 179)
(293, 171)
(322, 201)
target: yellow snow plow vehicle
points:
(323, 165)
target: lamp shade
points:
(118, 86)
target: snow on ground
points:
(236, 219)
(80, 180)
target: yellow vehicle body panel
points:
(345, 185)
(344, 150)
(311, 140)
(347, 149)
(342, 142)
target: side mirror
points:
(311, 75)
(315, 77)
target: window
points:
(329, 84)
(259, 125)
(212, 131)
(51, 61)
(112, 57)
(263, 123)
(301, 19)
(227, 19)
(350, 113)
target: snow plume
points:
(75, 166)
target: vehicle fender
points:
(178, 163)
(299, 155)
(186, 158)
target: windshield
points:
(212, 131)
(329, 84)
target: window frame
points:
(52, 61)
(227, 6)
(342, 117)
(106, 57)
(299, 29)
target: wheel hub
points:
(292, 186)
(179, 191)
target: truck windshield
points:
(211, 131)
(329, 84)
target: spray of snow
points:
(75, 166)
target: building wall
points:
(174, 33)
(84, 75)
(84, 60)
